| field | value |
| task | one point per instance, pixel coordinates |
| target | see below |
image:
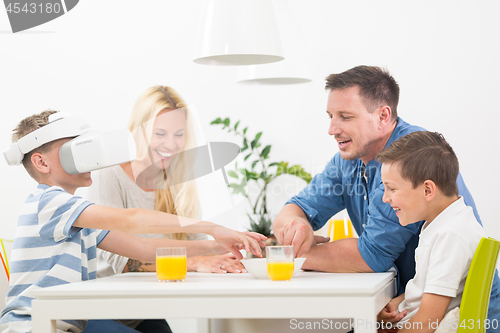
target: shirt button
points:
(363, 225)
(365, 197)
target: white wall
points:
(96, 59)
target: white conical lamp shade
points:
(294, 69)
(238, 32)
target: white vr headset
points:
(90, 150)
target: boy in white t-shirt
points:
(419, 173)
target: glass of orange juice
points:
(171, 264)
(340, 229)
(280, 262)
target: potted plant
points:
(259, 170)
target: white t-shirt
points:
(443, 257)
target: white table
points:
(139, 295)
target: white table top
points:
(140, 295)
(146, 284)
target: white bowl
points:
(258, 266)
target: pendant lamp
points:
(294, 69)
(238, 32)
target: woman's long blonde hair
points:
(179, 199)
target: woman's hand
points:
(222, 263)
(234, 241)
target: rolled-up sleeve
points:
(322, 197)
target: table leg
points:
(40, 319)
(363, 324)
(203, 325)
(44, 325)
(365, 320)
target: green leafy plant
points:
(263, 226)
(257, 169)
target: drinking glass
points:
(171, 264)
(340, 229)
(280, 263)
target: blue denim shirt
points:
(383, 242)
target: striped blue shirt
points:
(48, 251)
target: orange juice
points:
(280, 270)
(171, 268)
(340, 229)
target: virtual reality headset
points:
(89, 150)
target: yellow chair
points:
(6, 247)
(477, 290)
(5, 250)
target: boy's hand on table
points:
(233, 241)
(258, 237)
(390, 314)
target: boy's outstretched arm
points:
(145, 221)
(144, 249)
(432, 308)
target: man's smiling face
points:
(354, 128)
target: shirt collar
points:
(374, 164)
(400, 123)
(445, 217)
(45, 187)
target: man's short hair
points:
(376, 86)
(25, 127)
(424, 156)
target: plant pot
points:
(272, 241)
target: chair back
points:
(5, 250)
(477, 290)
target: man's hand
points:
(297, 232)
(320, 240)
(291, 227)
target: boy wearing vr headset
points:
(57, 232)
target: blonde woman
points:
(158, 179)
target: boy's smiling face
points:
(409, 202)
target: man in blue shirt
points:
(362, 106)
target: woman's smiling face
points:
(169, 136)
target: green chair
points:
(476, 296)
